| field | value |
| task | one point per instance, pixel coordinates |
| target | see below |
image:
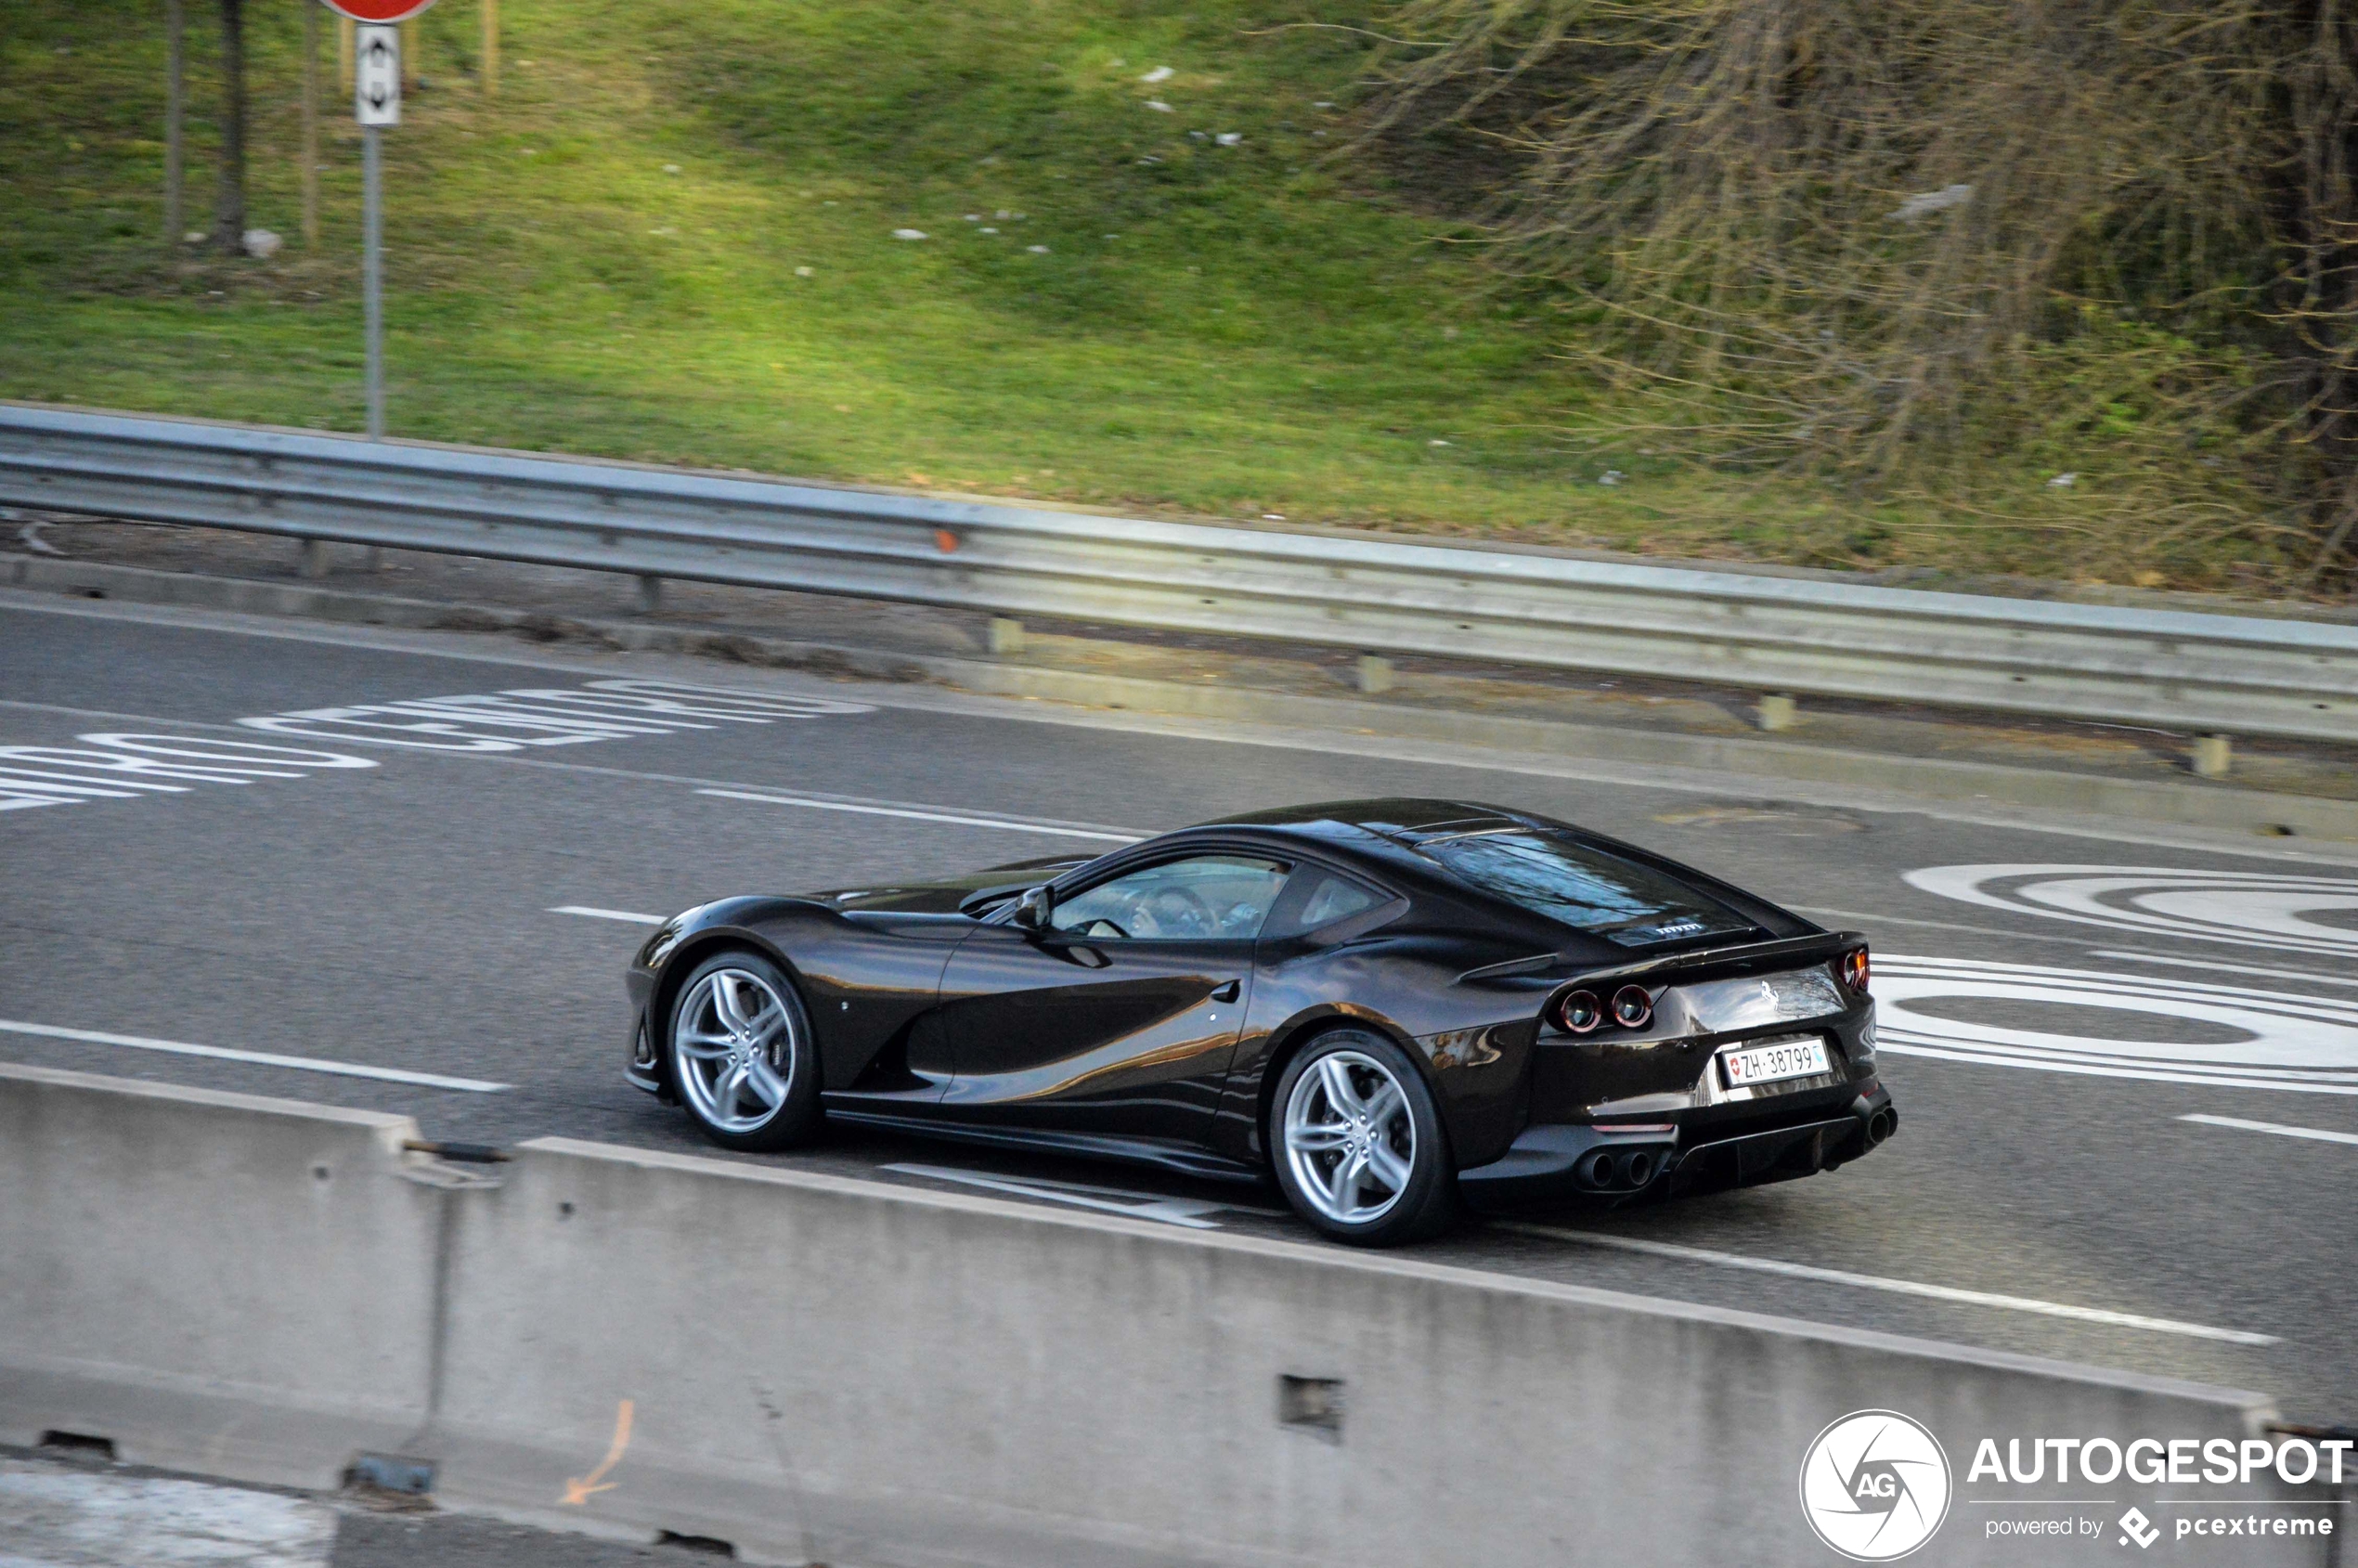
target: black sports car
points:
(1390, 1005)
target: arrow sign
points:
(376, 76)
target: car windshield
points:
(1554, 874)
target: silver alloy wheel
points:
(1350, 1141)
(734, 1045)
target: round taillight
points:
(1855, 969)
(1578, 1012)
(1632, 1008)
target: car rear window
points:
(1335, 898)
(1317, 898)
(1554, 874)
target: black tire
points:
(1422, 1176)
(704, 1047)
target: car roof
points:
(1378, 835)
(1384, 835)
(1404, 819)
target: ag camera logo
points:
(1875, 1485)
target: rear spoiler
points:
(1695, 964)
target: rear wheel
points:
(1358, 1143)
(743, 1060)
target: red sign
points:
(377, 11)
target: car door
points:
(1118, 1016)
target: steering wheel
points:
(1190, 908)
(1090, 930)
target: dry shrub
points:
(1934, 249)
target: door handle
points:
(1228, 993)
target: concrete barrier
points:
(817, 1368)
(824, 1369)
(218, 1283)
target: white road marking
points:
(1895, 1287)
(2319, 1133)
(922, 816)
(1187, 1211)
(499, 723)
(260, 1059)
(723, 786)
(2276, 1040)
(2310, 975)
(60, 1516)
(120, 767)
(509, 722)
(2246, 907)
(1342, 738)
(622, 914)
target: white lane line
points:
(2319, 1133)
(260, 1059)
(622, 914)
(2309, 975)
(1187, 1211)
(1896, 1286)
(920, 816)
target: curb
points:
(2183, 804)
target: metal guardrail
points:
(2173, 670)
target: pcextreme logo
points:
(1875, 1485)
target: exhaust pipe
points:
(1881, 1125)
(1597, 1170)
(1637, 1169)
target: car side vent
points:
(1311, 1405)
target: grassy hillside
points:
(671, 237)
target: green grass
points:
(670, 239)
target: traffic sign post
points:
(376, 103)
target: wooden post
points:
(491, 48)
(343, 54)
(310, 123)
(229, 200)
(409, 56)
(175, 108)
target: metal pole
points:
(176, 111)
(373, 275)
(310, 124)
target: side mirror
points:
(1033, 906)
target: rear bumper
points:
(1561, 1160)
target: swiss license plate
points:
(1774, 1063)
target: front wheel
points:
(1358, 1143)
(743, 1060)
